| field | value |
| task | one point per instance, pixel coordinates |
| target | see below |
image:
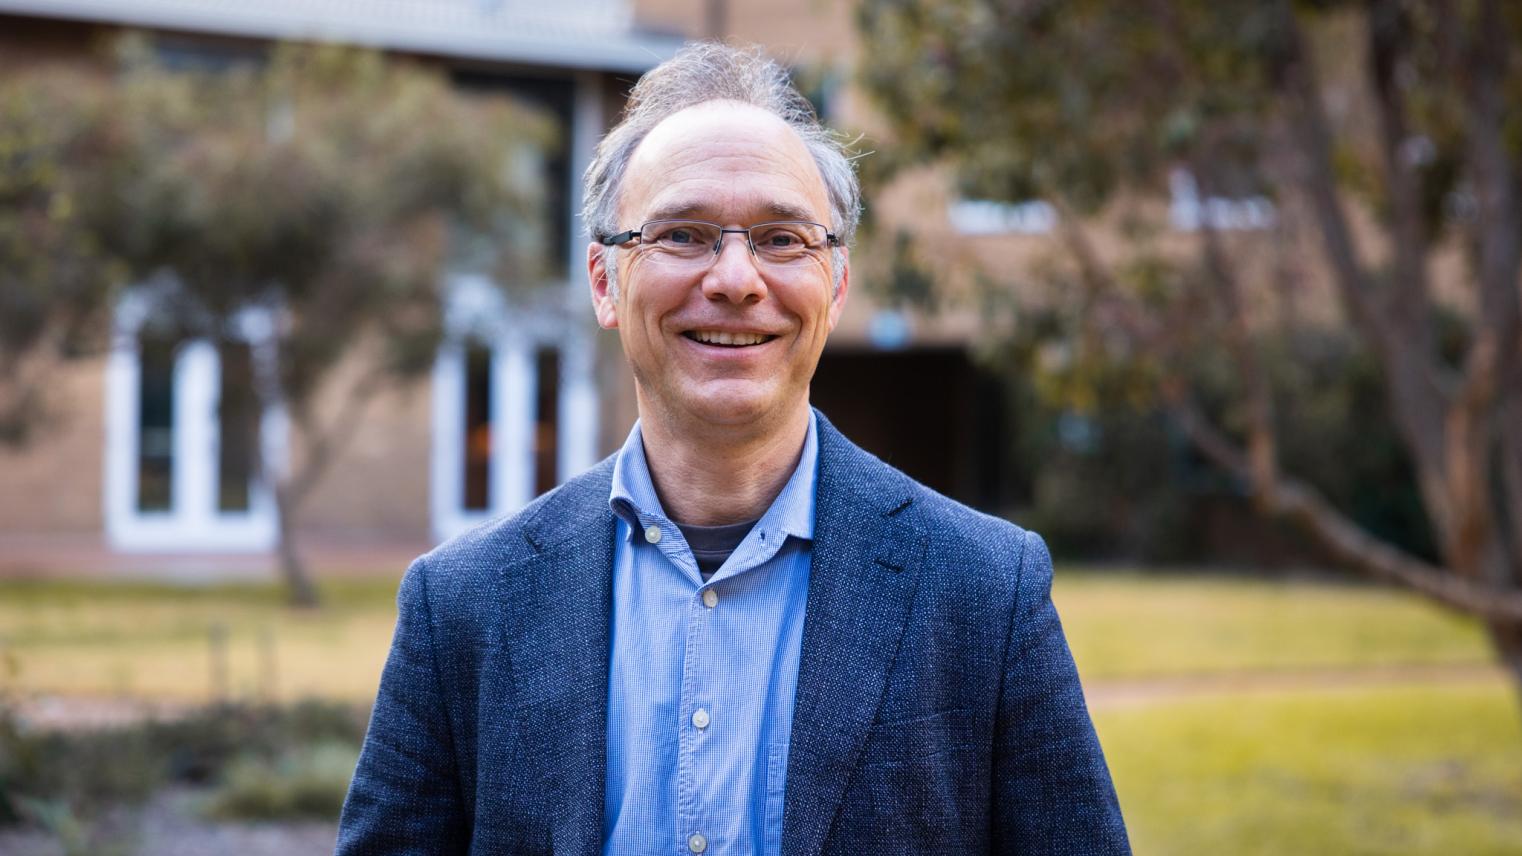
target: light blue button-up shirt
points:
(700, 693)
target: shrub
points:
(307, 752)
(305, 784)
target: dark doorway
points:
(928, 411)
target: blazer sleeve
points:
(1052, 790)
(405, 795)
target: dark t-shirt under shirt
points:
(711, 545)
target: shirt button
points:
(696, 842)
(700, 718)
(710, 598)
(653, 534)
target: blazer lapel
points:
(558, 609)
(861, 585)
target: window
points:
(478, 419)
(155, 425)
(546, 419)
(514, 415)
(554, 98)
(183, 437)
(1190, 213)
(989, 217)
(238, 424)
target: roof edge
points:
(622, 52)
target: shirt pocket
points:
(776, 786)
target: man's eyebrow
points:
(784, 211)
(678, 211)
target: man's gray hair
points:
(711, 71)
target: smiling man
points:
(740, 634)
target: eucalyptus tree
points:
(1381, 145)
(306, 205)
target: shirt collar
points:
(633, 498)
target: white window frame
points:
(1189, 212)
(478, 315)
(193, 523)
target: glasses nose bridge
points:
(718, 244)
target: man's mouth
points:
(727, 339)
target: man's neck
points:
(710, 479)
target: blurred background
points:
(1220, 297)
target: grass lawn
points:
(155, 641)
(1133, 625)
(101, 639)
(1398, 770)
(1407, 769)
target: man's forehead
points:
(707, 206)
(685, 165)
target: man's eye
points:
(782, 240)
(674, 236)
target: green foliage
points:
(326, 185)
(63, 780)
(1111, 476)
(1071, 99)
(310, 784)
(56, 155)
(1092, 106)
(199, 747)
(48, 772)
(329, 186)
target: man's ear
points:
(838, 300)
(603, 304)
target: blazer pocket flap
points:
(918, 737)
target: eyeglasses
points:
(694, 244)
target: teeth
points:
(720, 337)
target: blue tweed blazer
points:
(937, 711)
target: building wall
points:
(53, 484)
(376, 485)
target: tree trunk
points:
(269, 393)
(293, 569)
(1506, 638)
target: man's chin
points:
(736, 406)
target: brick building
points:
(141, 475)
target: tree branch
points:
(1511, 477)
(323, 445)
(1417, 397)
(1346, 540)
(1509, 442)
(1499, 249)
(1319, 183)
(1410, 309)
(1100, 291)
(1262, 441)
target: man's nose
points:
(736, 274)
